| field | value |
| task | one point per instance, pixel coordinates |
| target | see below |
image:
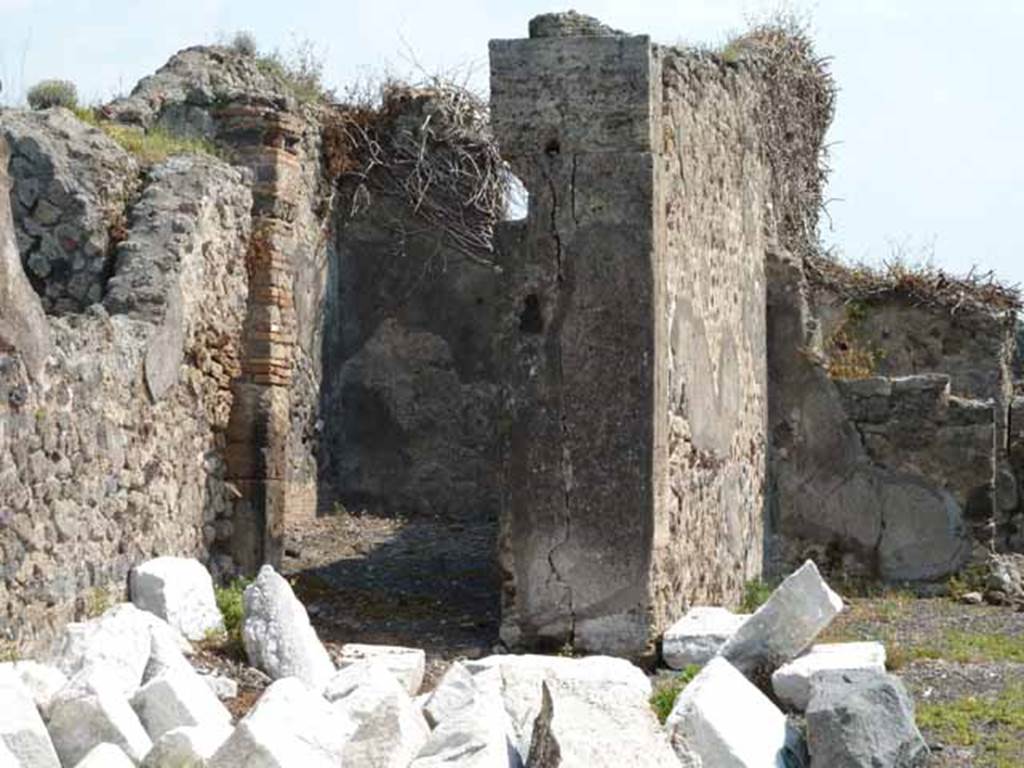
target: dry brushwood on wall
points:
(793, 116)
(430, 146)
(923, 285)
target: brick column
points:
(265, 141)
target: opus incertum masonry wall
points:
(635, 445)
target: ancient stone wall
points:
(73, 185)
(408, 404)
(973, 346)
(113, 452)
(635, 394)
(945, 424)
(709, 532)
(251, 113)
(1015, 450)
(836, 492)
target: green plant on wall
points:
(53, 93)
(850, 353)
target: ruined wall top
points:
(569, 24)
(573, 86)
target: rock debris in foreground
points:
(792, 682)
(278, 636)
(786, 625)
(180, 591)
(699, 635)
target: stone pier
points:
(634, 438)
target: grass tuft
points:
(53, 93)
(98, 601)
(9, 651)
(301, 69)
(665, 694)
(993, 726)
(155, 146)
(232, 609)
(755, 593)
(970, 579)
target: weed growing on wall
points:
(156, 145)
(301, 69)
(849, 352)
(98, 601)
(53, 93)
(919, 282)
(793, 114)
(9, 651)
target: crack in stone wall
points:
(563, 286)
(580, 121)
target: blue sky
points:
(926, 146)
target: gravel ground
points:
(431, 583)
(952, 657)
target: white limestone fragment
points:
(586, 723)
(792, 682)
(187, 747)
(289, 726)
(698, 636)
(786, 625)
(165, 656)
(361, 685)
(80, 722)
(278, 636)
(6, 756)
(387, 736)
(22, 732)
(223, 687)
(727, 722)
(406, 664)
(118, 641)
(180, 591)
(478, 735)
(519, 678)
(106, 756)
(388, 728)
(175, 700)
(42, 681)
(455, 690)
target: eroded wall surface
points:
(834, 495)
(713, 189)
(926, 384)
(107, 457)
(635, 400)
(251, 114)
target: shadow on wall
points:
(409, 393)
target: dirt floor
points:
(430, 583)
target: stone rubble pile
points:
(119, 690)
